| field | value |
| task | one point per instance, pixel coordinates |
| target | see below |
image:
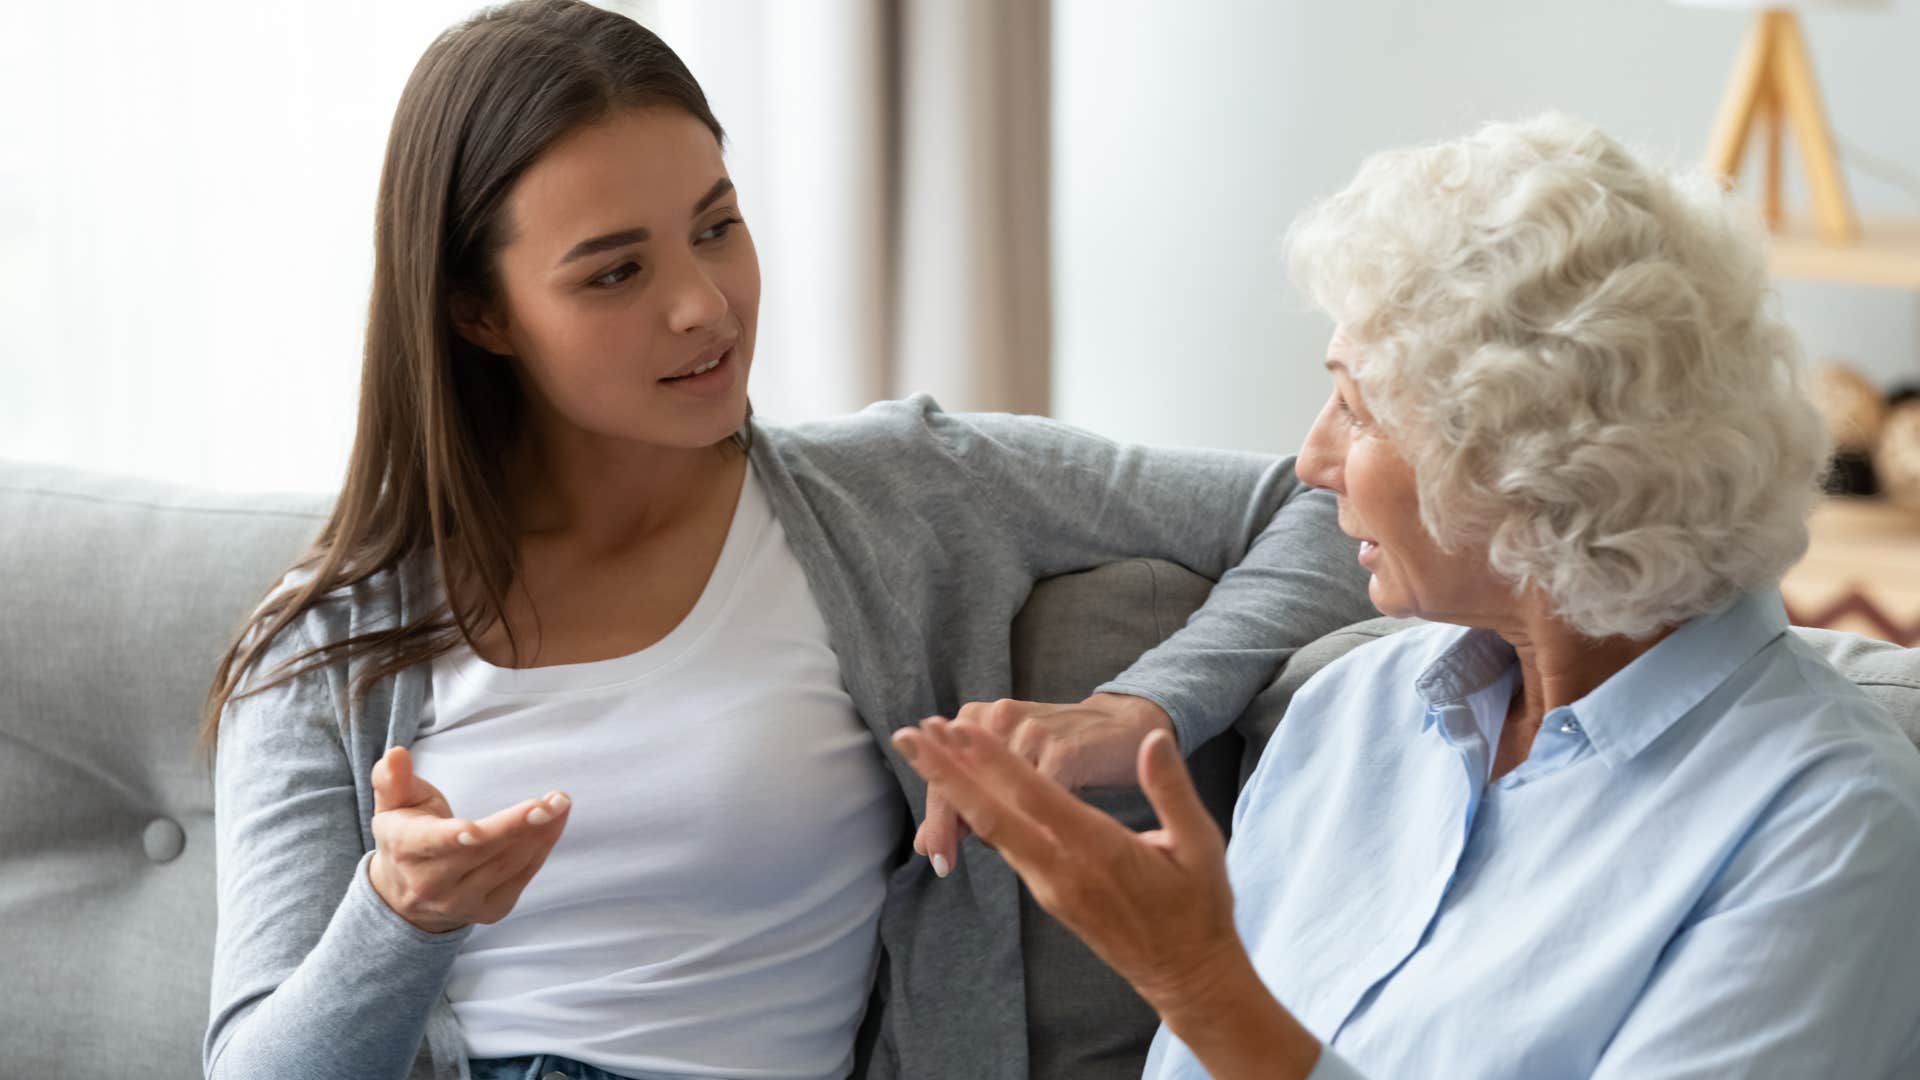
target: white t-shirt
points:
(712, 908)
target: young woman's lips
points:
(712, 382)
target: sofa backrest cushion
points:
(116, 599)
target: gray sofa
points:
(115, 598)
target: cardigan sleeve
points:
(1071, 500)
(313, 974)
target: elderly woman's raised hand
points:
(1155, 906)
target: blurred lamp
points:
(1773, 83)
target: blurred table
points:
(1861, 573)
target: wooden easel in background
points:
(1773, 82)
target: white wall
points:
(1190, 135)
(186, 242)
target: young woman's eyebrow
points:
(624, 237)
(720, 187)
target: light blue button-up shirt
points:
(1708, 867)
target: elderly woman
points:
(1605, 816)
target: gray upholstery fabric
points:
(116, 597)
(1888, 673)
(1076, 632)
(1264, 715)
(115, 600)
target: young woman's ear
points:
(480, 325)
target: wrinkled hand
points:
(1155, 906)
(440, 872)
(1090, 743)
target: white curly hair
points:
(1581, 359)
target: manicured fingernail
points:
(559, 801)
(908, 749)
(538, 816)
(940, 867)
(467, 839)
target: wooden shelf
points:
(1888, 254)
(1862, 572)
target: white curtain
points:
(186, 208)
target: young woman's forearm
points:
(357, 1005)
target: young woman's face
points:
(628, 283)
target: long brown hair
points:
(426, 472)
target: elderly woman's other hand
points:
(1155, 906)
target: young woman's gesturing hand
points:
(440, 872)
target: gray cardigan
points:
(920, 533)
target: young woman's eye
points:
(615, 276)
(719, 229)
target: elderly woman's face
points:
(1348, 454)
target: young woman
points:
(567, 564)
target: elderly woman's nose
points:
(1323, 457)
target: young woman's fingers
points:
(498, 902)
(526, 816)
(410, 835)
(1035, 796)
(1169, 787)
(940, 834)
(388, 785)
(505, 862)
(397, 787)
(932, 751)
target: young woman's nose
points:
(694, 300)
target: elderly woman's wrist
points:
(1226, 1015)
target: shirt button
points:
(1569, 726)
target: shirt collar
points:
(1625, 714)
(1475, 661)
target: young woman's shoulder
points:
(336, 614)
(911, 435)
(910, 424)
